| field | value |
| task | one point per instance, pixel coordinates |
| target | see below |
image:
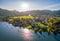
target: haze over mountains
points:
(4, 12)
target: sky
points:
(25, 5)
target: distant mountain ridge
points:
(4, 12)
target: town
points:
(39, 24)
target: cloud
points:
(53, 6)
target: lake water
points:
(10, 33)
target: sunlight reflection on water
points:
(27, 34)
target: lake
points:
(10, 33)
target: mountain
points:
(4, 12)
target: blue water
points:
(10, 33)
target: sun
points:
(24, 6)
